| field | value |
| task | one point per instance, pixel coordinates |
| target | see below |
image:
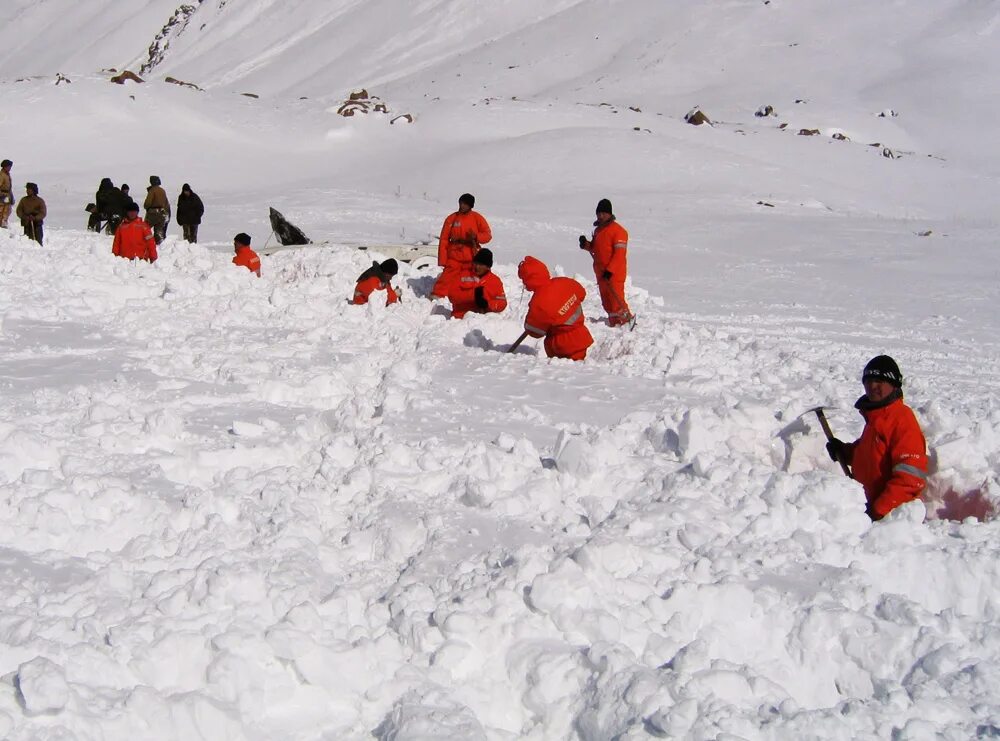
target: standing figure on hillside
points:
(376, 278)
(125, 189)
(478, 289)
(157, 208)
(609, 246)
(31, 211)
(6, 192)
(890, 457)
(244, 255)
(555, 311)
(134, 237)
(462, 234)
(190, 209)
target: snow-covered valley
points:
(238, 508)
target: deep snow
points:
(238, 508)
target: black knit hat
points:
(154, 179)
(242, 238)
(33, 187)
(389, 267)
(468, 198)
(604, 207)
(132, 206)
(5, 163)
(883, 368)
(483, 257)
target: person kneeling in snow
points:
(134, 237)
(478, 289)
(244, 255)
(555, 311)
(376, 278)
(890, 457)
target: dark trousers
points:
(112, 226)
(157, 219)
(33, 229)
(190, 232)
(94, 222)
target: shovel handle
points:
(518, 341)
(829, 436)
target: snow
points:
(238, 508)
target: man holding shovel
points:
(890, 457)
(31, 211)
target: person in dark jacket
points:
(99, 214)
(890, 458)
(190, 209)
(31, 211)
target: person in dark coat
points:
(99, 214)
(190, 209)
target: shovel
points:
(830, 438)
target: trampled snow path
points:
(239, 508)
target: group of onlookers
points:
(111, 204)
(108, 211)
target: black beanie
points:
(389, 267)
(883, 368)
(483, 257)
(468, 198)
(604, 207)
(242, 238)
(185, 187)
(33, 187)
(132, 206)
(154, 179)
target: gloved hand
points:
(872, 514)
(837, 450)
(583, 242)
(606, 275)
(480, 299)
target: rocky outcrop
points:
(171, 29)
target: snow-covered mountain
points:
(238, 508)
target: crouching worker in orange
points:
(376, 278)
(134, 237)
(478, 289)
(461, 236)
(555, 312)
(890, 457)
(245, 256)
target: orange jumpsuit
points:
(454, 256)
(609, 248)
(134, 240)
(365, 287)
(248, 259)
(555, 311)
(890, 457)
(463, 294)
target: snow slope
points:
(236, 508)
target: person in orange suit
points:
(377, 278)
(478, 289)
(609, 247)
(462, 234)
(134, 237)
(555, 311)
(245, 256)
(890, 457)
